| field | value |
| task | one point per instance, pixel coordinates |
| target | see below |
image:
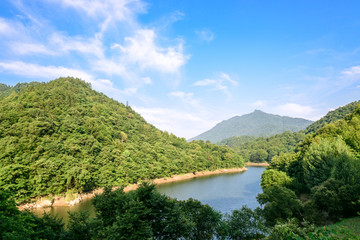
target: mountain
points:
(260, 149)
(257, 123)
(62, 137)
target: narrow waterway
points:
(224, 192)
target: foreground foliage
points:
(324, 174)
(62, 136)
(140, 214)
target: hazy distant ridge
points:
(257, 123)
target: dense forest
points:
(147, 214)
(257, 123)
(263, 149)
(62, 136)
(320, 182)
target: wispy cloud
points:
(187, 98)
(297, 110)
(5, 28)
(181, 123)
(134, 51)
(35, 70)
(205, 35)
(259, 103)
(120, 10)
(221, 83)
(87, 46)
(351, 75)
(21, 48)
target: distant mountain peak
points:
(257, 123)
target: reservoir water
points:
(224, 192)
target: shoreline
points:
(252, 164)
(60, 201)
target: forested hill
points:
(265, 148)
(62, 136)
(324, 173)
(332, 116)
(257, 123)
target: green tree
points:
(273, 177)
(204, 220)
(280, 203)
(244, 224)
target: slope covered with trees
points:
(332, 116)
(62, 136)
(321, 180)
(257, 123)
(263, 149)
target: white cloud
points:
(220, 84)
(180, 123)
(65, 44)
(351, 74)
(297, 110)
(120, 10)
(53, 72)
(35, 70)
(142, 50)
(109, 67)
(205, 35)
(259, 103)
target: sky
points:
(187, 65)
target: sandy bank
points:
(59, 201)
(252, 164)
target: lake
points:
(224, 192)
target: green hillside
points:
(332, 116)
(265, 148)
(63, 136)
(323, 174)
(257, 123)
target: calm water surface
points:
(224, 192)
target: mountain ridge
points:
(256, 123)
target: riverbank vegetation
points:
(147, 214)
(62, 136)
(140, 214)
(320, 182)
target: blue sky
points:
(186, 65)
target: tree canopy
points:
(63, 136)
(324, 173)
